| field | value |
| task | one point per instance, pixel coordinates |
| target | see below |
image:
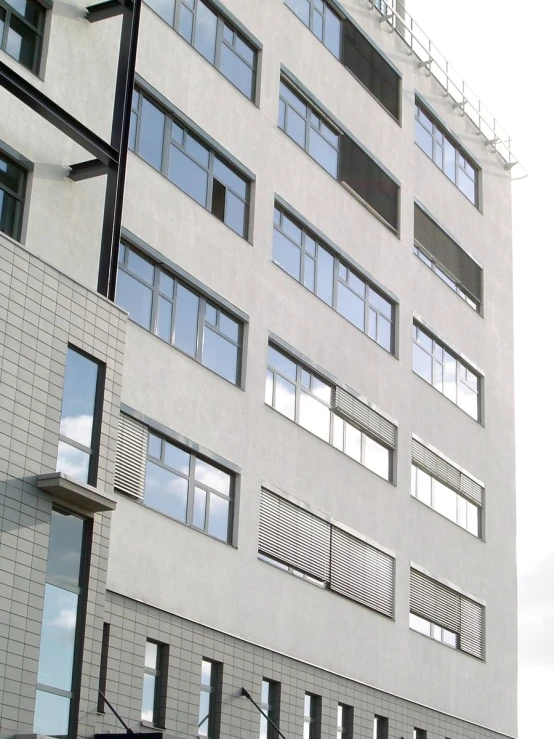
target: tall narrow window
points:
(207, 709)
(80, 424)
(152, 697)
(12, 189)
(103, 668)
(269, 700)
(57, 680)
(380, 727)
(21, 31)
(311, 717)
(344, 721)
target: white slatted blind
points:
(437, 603)
(361, 572)
(446, 473)
(294, 536)
(130, 462)
(363, 417)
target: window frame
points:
(271, 708)
(204, 300)
(38, 31)
(338, 262)
(159, 674)
(212, 689)
(344, 721)
(26, 167)
(380, 727)
(311, 723)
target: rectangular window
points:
(208, 699)
(321, 553)
(448, 260)
(81, 417)
(322, 21)
(215, 38)
(311, 263)
(165, 142)
(420, 734)
(317, 405)
(380, 727)
(445, 488)
(62, 620)
(13, 180)
(344, 721)
(446, 373)
(153, 693)
(104, 653)
(446, 615)
(269, 705)
(449, 156)
(167, 307)
(312, 708)
(21, 31)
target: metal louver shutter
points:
(130, 462)
(444, 472)
(431, 600)
(448, 254)
(364, 417)
(369, 181)
(473, 628)
(371, 69)
(362, 573)
(294, 536)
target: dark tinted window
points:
(12, 192)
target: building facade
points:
(269, 489)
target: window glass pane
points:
(309, 273)
(185, 23)
(167, 284)
(177, 458)
(472, 518)
(212, 477)
(323, 152)
(73, 462)
(197, 150)
(165, 491)
(229, 327)
(79, 397)
(332, 32)
(204, 36)
(57, 640)
(284, 397)
(199, 512)
(287, 94)
(269, 387)
(449, 376)
(423, 139)
(422, 363)
(384, 333)
(350, 306)
(51, 714)
(376, 457)
(296, 127)
(151, 655)
(420, 624)
(204, 714)
(163, 328)
(135, 298)
(378, 302)
(444, 500)
(307, 705)
(154, 446)
(228, 177)
(11, 176)
(321, 389)
(151, 134)
(467, 400)
(353, 442)
(140, 267)
(281, 363)
(186, 320)
(449, 638)
(29, 10)
(235, 213)
(301, 8)
(236, 70)
(338, 432)
(165, 9)
(286, 254)
(449, 160)
(9, 209)
(220, 355)
(423, 489)
(467, 186)
(188, 175)
(206, 675)
(218, 521)
(314, 416)
(65, 549)
(22, 43)
(211, 314)
(325, 263)
(148, 697)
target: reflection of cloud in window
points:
(77, 428)
(73, 462)
(210, 476)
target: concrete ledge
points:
(75, 493)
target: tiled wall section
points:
(244, 664)
(41, 312)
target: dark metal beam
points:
(86, 170)
(55, 114)
(108, 9)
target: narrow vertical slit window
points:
(62, 621)
(380, 727)
(269, 704)
(344, 721)
(152, 711)
(311, 728)
(207, 707)
(13, 180)
(81, 417)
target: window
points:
(12, 189)
(306, 259)
(442, 486)
(152, 685)
(448, 260)
(311, 716)
(214, 37)
(269, 705)
(380, 727)
(309, 547)
(344, 721)
(207, 708)
(167, 307)
(188, 488)
(322, 21)
(299, 394)
(420, 734)
(21, 31)
(445, 615)
(165, 142)
(307, 127)
(450, 376)
(81, 417)
(56, 698)
(103, 677)
(447, 155)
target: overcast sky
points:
(503, 50)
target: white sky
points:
(503, 50)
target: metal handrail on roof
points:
(430, 58)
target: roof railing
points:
(430, 58)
